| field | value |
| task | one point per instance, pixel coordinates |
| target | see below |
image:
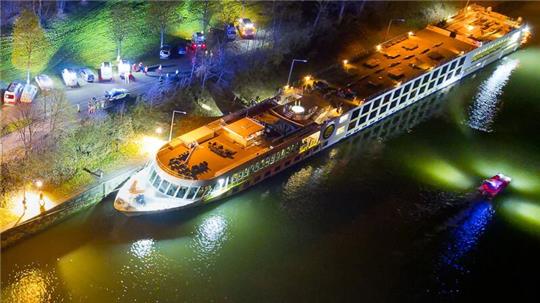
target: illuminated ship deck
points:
(243, 148)
(218, 147)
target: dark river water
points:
(391, 217)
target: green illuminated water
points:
(391, 219)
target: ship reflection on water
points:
(486, 102)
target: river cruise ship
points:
(241, 149)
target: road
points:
(81, 95)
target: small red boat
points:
(494, 185)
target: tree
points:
(121, 23)
(203, 11)
(161, 14)
(57, 111)
(27, 120)
(29, 44)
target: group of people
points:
(95, 104)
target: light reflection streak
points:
(142, 248)
(483, 110)
(471, 225)
(522, 213)
(211, 233)
(30, 285)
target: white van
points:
(29, 93)
(70, 77)
(13, 93)
(105, 72)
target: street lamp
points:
(292, 65)
(390, 24)
(172, 121)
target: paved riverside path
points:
(17, 215)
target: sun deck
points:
(479, 23)
(412, 54)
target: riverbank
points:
(29, 224)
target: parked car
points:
(44, 82)
(105, 72)
(70, 77)
(29, 93)
(230, 31)
(182, 48)
(87, 74)
(13, 93)
(165, 52)
(198, 41)
(246, 28)
(116, 94)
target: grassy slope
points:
(84, 38)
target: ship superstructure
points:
(241, 149)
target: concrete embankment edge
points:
(64, 210)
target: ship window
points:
(340, 130)
(435, 74)
(393, 104)
(376, 103)
(362, 120)
(461, 61)
(386, 98)
(396, 93)
(422, 89)
(425, 80)
(157, 181)
(355, 113)
(448, 76)
(458, 71)
(164, 185)
(152, 175)
(172, 190)
(413, 93)
(440, 81)
(365, 108)
(191, 193)
(372, 115)
(383, 108)
(431, 85)
(407, 88)
(351, 125)
(181, 192)
(403, 99)
(200, 193)
(416, 83)
(453, 65)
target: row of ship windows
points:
(265, 162)
(493, 47)
(401, 95)
(374, 110)
(400, 122)
(174, 190)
